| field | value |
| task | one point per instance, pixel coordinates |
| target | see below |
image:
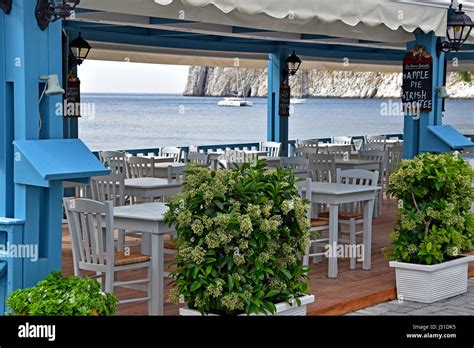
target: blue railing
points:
(238, 146)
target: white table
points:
(336, 194)
(148, 218)
(152, 187)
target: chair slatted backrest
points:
(356, 177)
(109, 188)
(233, 158)
(176, 173)
(296, 163)
(198, 159)
(172, 152)
(305, 151)
(141, 167)
(87, 221)
(342, 140)
(395, 156)
(375, 155)
(375, 142)
(193, 149)
(340, 151)
(322, 167)
(307, 143)
(114, 160)
(271, 148)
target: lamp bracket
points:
(47, 12)
(6, 5)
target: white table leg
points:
(367, 236)
(333, 239)
(146, 237)
(157, 269)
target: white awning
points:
(391, 21)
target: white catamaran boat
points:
(297, 101)
(234, 101)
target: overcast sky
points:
(121, 77)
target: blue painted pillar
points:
(416, 134)
(6, 130)
(28, 53)
(277, 126)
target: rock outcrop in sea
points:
(219, 82)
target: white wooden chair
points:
(307, 143)
(176, 173)
(342, 140)
(114, 160)
(381, 157)
(394, 156)
(322, 167)
(316, 226)
(305, 151)
(92, 238)
(197, 159)
(340, 151)
(193, 149)
(298, 164)
(352, 214)
(271, 148)
(112, 188)
(141, 167)
(375, 142)
(172, 152)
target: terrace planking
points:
(350, 291)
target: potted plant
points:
(434, 197)
(240, 237)
(62, 296)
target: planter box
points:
(282, 308)
(431, 283)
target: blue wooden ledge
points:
(38, 162)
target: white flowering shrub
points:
(435, 194)
(241, 234)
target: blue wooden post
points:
(277, 126)
(28, 53)
(416, 134)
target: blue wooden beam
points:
(277, 126)
(29, 53)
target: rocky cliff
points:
(206, 81)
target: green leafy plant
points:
(62, 296)
(434, 195)
(241, 233)
(465, 76)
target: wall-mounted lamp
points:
(458, 30)
(78, 50)
(293, 63)
(6, 5)
(48, 11)
(442, 92)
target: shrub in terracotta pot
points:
(434, 193)
(240, 237)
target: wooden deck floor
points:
(352, 290)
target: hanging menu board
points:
(285, 95)
(417, 95)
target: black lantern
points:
(79, 50)
(293, 63)
(459, 28)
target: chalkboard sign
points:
(417, 95)
(285, 95)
